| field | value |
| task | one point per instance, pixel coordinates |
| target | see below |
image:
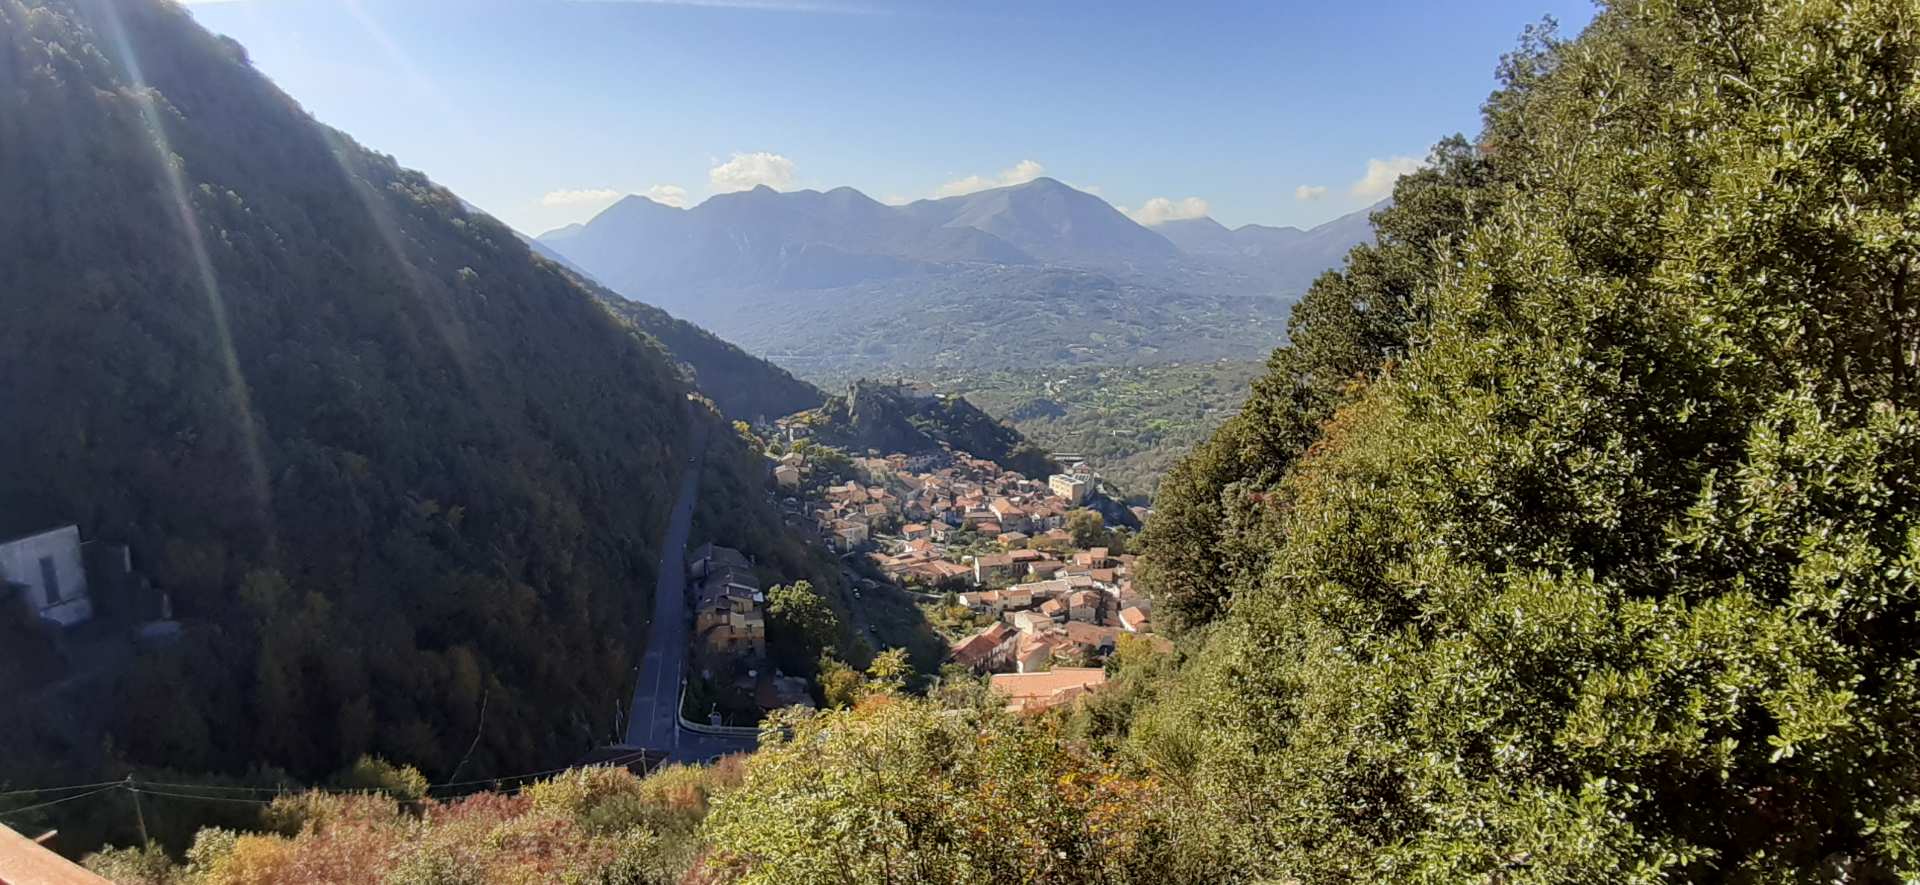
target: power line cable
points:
(478, 730)
(4, 794)
(231, 788)
(116, 785)
(146, 792)
(168, 794)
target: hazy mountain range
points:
(1286, 258)
(858, 277)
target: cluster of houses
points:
(911, 509)
(1053, 608)
(932, 503)
(1068, 613)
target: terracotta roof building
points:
(987, 649)
(1049, 689)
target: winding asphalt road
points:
(654, 721)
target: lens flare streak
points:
(187, 219)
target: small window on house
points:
(50, 579)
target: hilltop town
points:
(1020, 575)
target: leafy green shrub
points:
(145, 865)
(376, 775)
(900, 789)
(1607, 571)
(576, 792)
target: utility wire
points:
(4, 794)
(241, 789)
(146, 792)
(479, 729)
(142, 790)
(117, 785)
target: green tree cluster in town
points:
(801, 626)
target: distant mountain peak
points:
(635, 203)
(1047, 182)
(804, 240)
(632, 208)
(1270, 227)
(1054, 222)
(1204, 222)
(1286, 258)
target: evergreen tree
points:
(1608, 574)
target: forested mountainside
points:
(1572, 537)
(888, 418)
(403, 482)
(745, 387)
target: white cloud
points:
(747, 171)
(667, 195)
(1309, 192)
(960, 186)
(1161, 210)
(1381, 174)
(603, 196)
(1020, 173)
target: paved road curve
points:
(653, 722)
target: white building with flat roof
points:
(1072, 488)
(50, 574)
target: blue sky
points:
(543, 111)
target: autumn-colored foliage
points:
(585, 825)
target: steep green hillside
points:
(878, 416)
(1574, 537)
(744, 386)
(402, 481)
